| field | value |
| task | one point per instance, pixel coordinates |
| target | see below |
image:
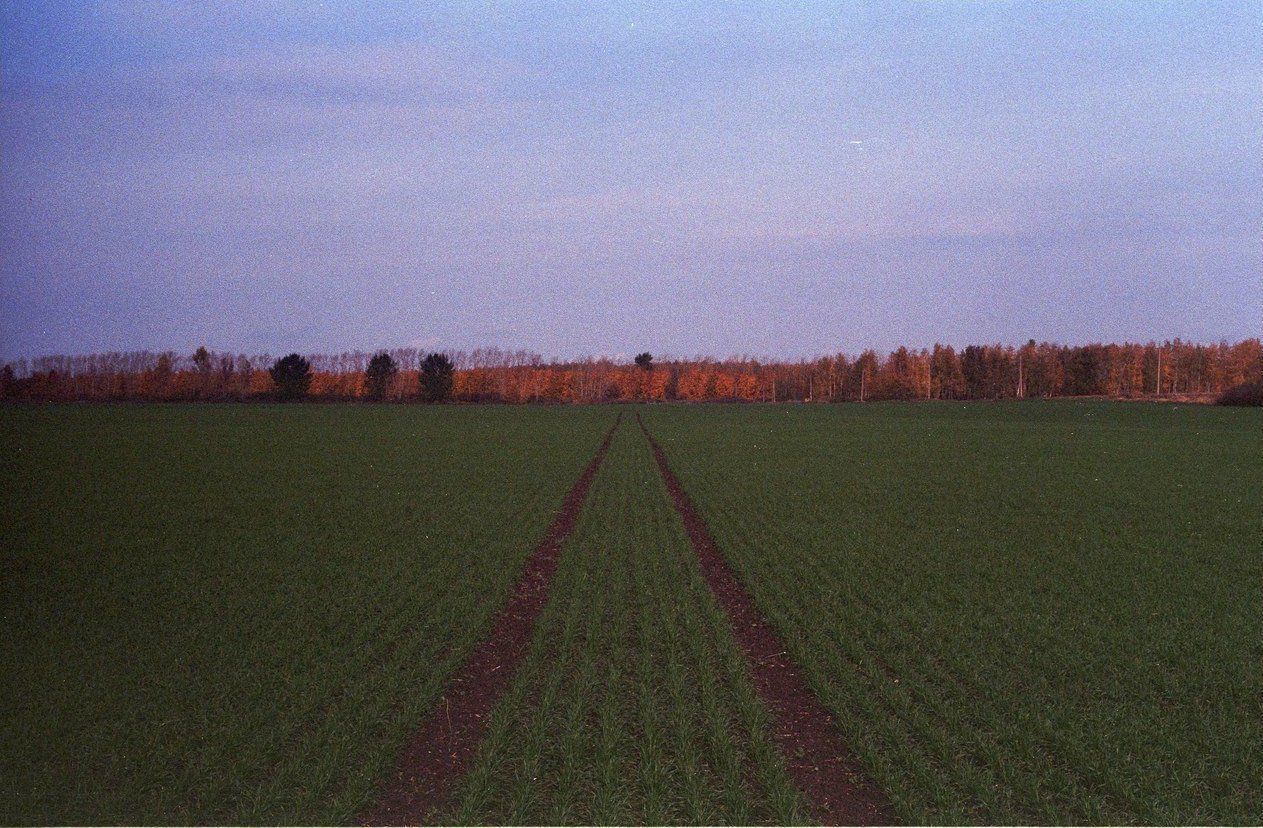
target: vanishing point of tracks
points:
(443, 748)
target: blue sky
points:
(688, 178)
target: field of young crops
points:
(633, 706)
(1017, 612)
(236, 614)
(1047, 612)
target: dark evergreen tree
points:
(436, 378)
(381, 370)
(644, 361)
(292, 377)
(1083, 370)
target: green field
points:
(633, 706)
(1019, 612)
(235, 614)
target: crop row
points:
(634, 706)
(237, 614)
(1019, 613)
(1041, 612)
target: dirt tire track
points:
(444, 746)
(817, 758)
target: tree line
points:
(1033, 370)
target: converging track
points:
(819, 761)
(519, 615)
(440, 752)
(446, 745)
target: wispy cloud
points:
(547, 170)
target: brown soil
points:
(818, 760)
(442, 749)
(1188, 398)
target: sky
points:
(718, 178)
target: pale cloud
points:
(170, 17)
(398, 72)
(363, 174)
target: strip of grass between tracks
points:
(820, 763)
(634, 705)
(440, 751)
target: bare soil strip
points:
(442, 749)
(818, 760)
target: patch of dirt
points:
(1187, 398)
(815, 754)
(442, 749)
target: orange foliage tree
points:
(1033, 370)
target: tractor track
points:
(815, 754)
(443, 747)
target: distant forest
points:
(492, 375)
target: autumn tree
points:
(947, 381)
(973, 368)
(291, 375)
(202, 365)
(980, 371)
(381, 371)
(863, 370)
(157, 379)
(436, 378)
(225, 374)
(900, 379)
